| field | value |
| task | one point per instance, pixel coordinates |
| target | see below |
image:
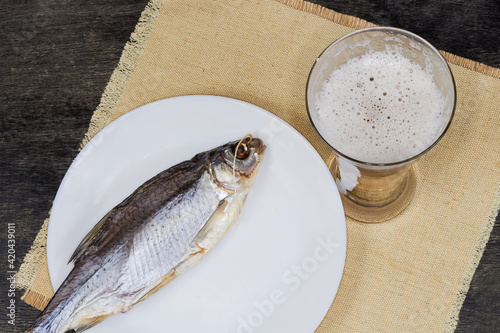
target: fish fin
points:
(200, 247)
(217, 215)
(86, 323)
(163, 282)
(226, 210)
(90, 238)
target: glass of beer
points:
(379, 98)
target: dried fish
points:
(162, 229)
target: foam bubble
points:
(386, 96)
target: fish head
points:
(235, 166)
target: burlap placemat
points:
(409, 274)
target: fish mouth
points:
(258, 145)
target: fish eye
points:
(242, 151)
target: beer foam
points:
(380, 107)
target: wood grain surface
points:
(56, 57)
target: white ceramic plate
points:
(279, 266)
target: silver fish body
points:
(162, 229)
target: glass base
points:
(371, 214)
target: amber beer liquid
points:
(379, 101)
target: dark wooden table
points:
(56, 57)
